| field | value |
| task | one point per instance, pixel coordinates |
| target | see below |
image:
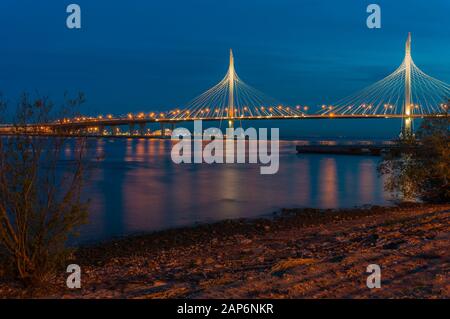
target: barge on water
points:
(353, 149)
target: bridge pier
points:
(60, 131)
(101, 130)
(131, 129)
(142, 129)
(70, 131)
(115, 130)
(407, 128)
(82, 131)
(163, 130)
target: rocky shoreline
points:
(300, 253)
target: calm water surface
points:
(137, 188)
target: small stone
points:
(198, 262)
(159, 283)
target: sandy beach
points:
(302, 253)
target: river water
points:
(137, 188)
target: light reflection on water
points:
(137, 188)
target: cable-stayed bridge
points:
(407, 93)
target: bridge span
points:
(407, 93)
(139, 126)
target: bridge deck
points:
(137, 121)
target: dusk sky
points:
(135, 56)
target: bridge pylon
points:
(231, 78)
(232, 99)
(407, 93)
(407, 125)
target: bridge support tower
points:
(115, 130)
(131, 129)
(231, 79)
(407, 125)
(142, 129)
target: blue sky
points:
(137, 55)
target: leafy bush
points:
(40, 201)
(420, 167)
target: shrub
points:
(40, 201)
(420, 167)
